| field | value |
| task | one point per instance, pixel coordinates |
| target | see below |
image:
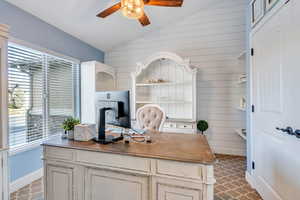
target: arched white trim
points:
(151, 106)
(103, 68)
(185, 63)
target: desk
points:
(173, 166)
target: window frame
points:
(46, 52)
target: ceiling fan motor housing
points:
(133, 9)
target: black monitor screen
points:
(119, 102)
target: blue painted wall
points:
(25, 163)
(26, 27)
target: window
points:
(43, 91)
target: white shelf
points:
(240, 133)
(242, 55)
(161, 84)
(242, 82)
(241, 109)
(163, 102)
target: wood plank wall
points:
(212, 39)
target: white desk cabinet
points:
(81, 173)
(60, 183)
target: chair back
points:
(151, 117)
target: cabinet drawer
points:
(168, 192)
(112, 185)
(58, 153)
(185, 125)
(178, 169)
(170, 125)
(114, 160)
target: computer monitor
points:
(112, 107)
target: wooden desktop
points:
(174, 166)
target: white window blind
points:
(43, 92)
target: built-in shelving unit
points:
(95, 77)
(169, 81)
(241, 84)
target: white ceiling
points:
(78, 18)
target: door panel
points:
(276, 95)
(109, 185)
(60, 183)
(169, 192)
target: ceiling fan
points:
(134, 9)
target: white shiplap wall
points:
(212, 39)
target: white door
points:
(276, 96)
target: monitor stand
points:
(102, 138)
(108, 139)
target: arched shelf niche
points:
(169, 81)
(105, 78)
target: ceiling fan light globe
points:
(133, 9)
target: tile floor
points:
(231, 183)
(229, 172)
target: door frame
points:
(250, 137)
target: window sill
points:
(27, 147)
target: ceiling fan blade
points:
(144, 20)
(167, 3)
(110, 10)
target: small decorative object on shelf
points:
(242, 133)
(202, 126)
(242, 78)
(68, 125)
(243, 103)
(156, 81)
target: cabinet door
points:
(167, 189)
(60, 182)
(109, 185)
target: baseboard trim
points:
(250, 179)
(261, 187)
(25, 180)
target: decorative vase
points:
(70, 134)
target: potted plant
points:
(68, 125)
(202, 126)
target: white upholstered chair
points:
(150, 117)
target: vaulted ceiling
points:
(78, 18)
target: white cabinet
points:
(60, 182)
(4, 193)
(170, 191)
(95, 77)
(169, 81)
(110, 185)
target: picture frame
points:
(257, 11)
(270, 4)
